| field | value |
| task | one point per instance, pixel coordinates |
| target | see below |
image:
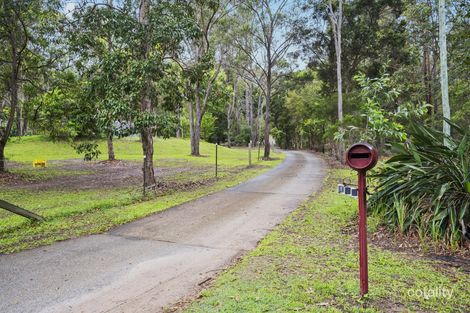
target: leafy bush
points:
(430, 180)
(90, 150)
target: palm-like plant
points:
(432, 181)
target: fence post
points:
(216, 157)
(249, 153)
(143, 170)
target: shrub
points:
(430, 180)
(90, 150)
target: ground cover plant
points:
(78, 197)
(424, 187)
(309, 263)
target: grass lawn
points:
(170, 151)
(71, 212)
(309, 263)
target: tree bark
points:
(251, 117)
(191, 124)
(196, 121)
(230, 109)
(443, 58)
(259, 118)
(111, 156)
(19, 127)
(3, 165)
(179, 129)
(427, 75)
(146, 106)
(267, 116)
(267, 119)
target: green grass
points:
(168, 152)
(310, 264)
(71, 213)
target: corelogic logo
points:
(428, 293)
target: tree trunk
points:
(427, 75)
(191, 125)
(197, 138)
(146, 106)
(179, 130)
(230, 109)
(197, 119)
(19, 124)
(111, 156)
(147, 147)
(339, 77)
(250, 112)
(25, 124)
(3, 165)
(229, 126)
(267, 118)
(247, 104)
(259, 118)
(443, 58)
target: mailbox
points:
(361, 156)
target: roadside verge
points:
(309, 263)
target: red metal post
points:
(364, 276)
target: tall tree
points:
(145, 101)
(336, 21)
(270, 29)
(199, 63)
(443, 62)
(27, 46)
(130, 76)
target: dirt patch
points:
(411, 245)
(79, 175)
(11, 179)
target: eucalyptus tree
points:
(198, 60)
(270, 27)
(336, 21)
(443, 63)
(28, 37)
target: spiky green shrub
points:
(430, 179)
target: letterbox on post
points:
(362, 157)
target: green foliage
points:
(378, 95)
(109, 42)
(430, 180)
(305, 114)
(384, 119)
(90, 150)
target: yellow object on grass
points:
(39, 163)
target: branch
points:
(251, 57)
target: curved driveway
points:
(151, 263)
